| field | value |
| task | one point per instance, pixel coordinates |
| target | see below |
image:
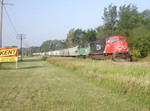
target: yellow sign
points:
(8, 54)
(8, 59)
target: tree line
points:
(125, 20)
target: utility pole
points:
(1, 17)
(21, 37)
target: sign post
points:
(9, 55)
(16, 64)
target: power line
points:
(10, 20)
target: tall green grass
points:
(39, 86)
(129, 79)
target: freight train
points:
(114, 48)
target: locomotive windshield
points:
(84, 46)
(116, 39)
(122, 39)
(113, 40)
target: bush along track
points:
(128, 79)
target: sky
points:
(43, 20)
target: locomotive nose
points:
(121, 46)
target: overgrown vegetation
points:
(130, 80)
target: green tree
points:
(34, 49)
(52, 45)
(70, 38)
(78, 37)
(128, 17)
(146, 16)
(110, 20)
(91, 35)
(78, 34)
(139, 42)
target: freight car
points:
(73, 52)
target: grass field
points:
(41, 86)
(130, 80)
